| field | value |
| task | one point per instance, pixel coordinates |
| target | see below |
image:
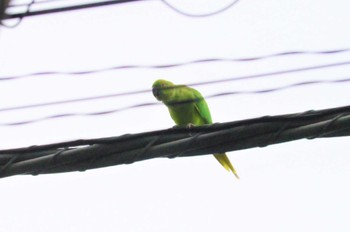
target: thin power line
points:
(29, 5)
(67, 8)
(239, 78)
(147, 104)
(174, 65)
(35, 3)
(105, 3)
(168, 4)
(219, 11)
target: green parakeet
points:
(196, 112)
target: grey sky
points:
(297, 186)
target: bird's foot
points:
(190, 126)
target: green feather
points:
(187, 106)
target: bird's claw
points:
(190, 126)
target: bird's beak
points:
(156, 92)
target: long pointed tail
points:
(225, 162)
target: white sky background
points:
(296, 186)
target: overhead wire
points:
(82, 155)
(59, 161)
(212, 13)
(237, 78)
(29, 5)
(3, 6)
(147, 104)
(67, 8)
(105, 3)
(38, 2)
(299, 118)
(167, 3)
(171, 66)
(175, 65)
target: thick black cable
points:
(311, 116)
(173, 142)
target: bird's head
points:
(163, 90)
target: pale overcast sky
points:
(296, 186)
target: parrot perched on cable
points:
(183, 114)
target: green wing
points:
(202, 107)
